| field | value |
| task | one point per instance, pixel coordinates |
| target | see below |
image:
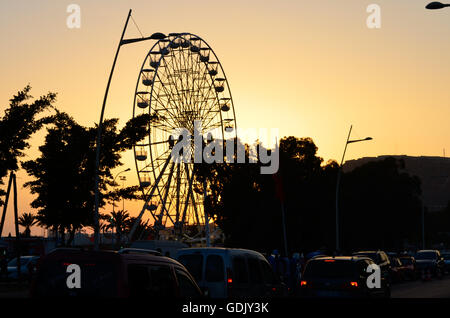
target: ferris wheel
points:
(181, 81)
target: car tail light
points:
(303, 283)
(229, 276)
(329, 261)
(354, 284)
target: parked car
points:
(446, 257)
(430, 260)
(409, 262)
(127, 273)
(381, 259)
(340, 276)
(27, 267)
(230, 272)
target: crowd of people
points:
(289, 270)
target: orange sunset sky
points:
(308, 68)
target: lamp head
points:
(435, 5)
(158, 36)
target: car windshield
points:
(23, 262)
(426, 255)
(330, 269)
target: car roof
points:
(214, 249)
(107, 254)
(341, 258)
(221, 250)
(365, 252)
(423, 251)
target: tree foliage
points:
(64, 173)
(27, 220)
(18, 124)
(379, 202)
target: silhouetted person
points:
(295, 268)
(274, 261)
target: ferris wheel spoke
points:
(211, 116)
(168, 93)
(186, 204)
(167, 187)
(195, 207)
(149, 197)
(178, 72)
(169, 101)
(177, 218)
(203, 83)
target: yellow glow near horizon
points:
(310, 69)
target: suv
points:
(430, 260)
(340, 276)
(127, 273)
(381, 259)
(231, 272)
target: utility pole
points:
(12, 182)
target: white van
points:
(166, 248)
(230, 272)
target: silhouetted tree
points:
(380, 203)
(143, 230)
(380, 206)
(16, 127)
(437, 227)
(242, 201)
(64, 173)
(27, 220)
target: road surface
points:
(436, 288)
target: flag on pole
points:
(279, 191)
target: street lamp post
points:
(338, 183)
(114, 181)
(431, 6)
(123, 179)
(154, 36)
